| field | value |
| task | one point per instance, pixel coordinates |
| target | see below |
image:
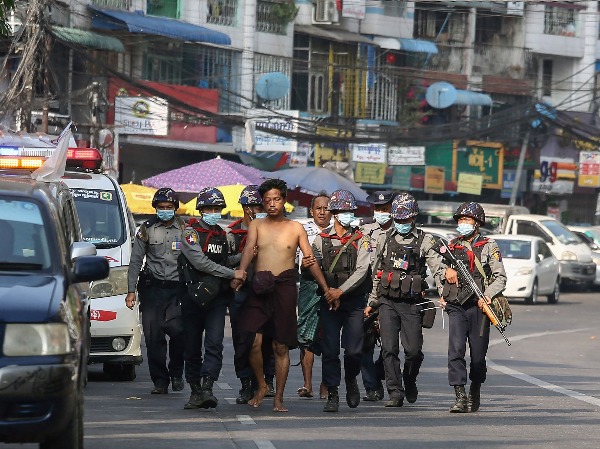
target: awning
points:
(224, 148)
(469, 98)
(389, 43)
(109, 19)
(418, 46)
(333, 35)
(88, 39)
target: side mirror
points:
(90, 268)
(540, 257)
(79, 249)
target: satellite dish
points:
(440, 95)
(273, 86)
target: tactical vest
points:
(345, 265)
(468, 258)
(403, 269)
(239, 236)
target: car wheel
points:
(71, 436)
(553, 297)
(120, 371)
(532, 299)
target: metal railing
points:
(124, 5)
(221, 12)
(266, 21)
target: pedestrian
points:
(468, 323)
(158, 240)
(237, 233)
(344, 258)
(309, 300)
(373, 372)
(271, 308)
(205, 256)
(402, 255)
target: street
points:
(541, 392)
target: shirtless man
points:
(271, 308)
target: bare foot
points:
(323, 391)
(258, 396)
(278, 405)
(304, 392)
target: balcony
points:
(124, 5)
(273, 17)
(221, 12)
(393, 16)
(498, 60)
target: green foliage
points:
(5, 7)
(284, 12)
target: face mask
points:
(465, 229)
(165, 215)
(403, 228)
(345, 218)
(382, 217)
(211, 219)
(261, 215)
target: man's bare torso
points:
(277, 242)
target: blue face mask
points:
(165, 214)
(382, 217)
(260, 215)
(345, 218)
(211, 219)
(465, 229)
(403, 228)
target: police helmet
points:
(210, 196)
(342, 200)
(165, 195)
(404, 206)
(250, 196)
(470, 209)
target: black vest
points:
(213, 243)
(403, 269)
(346, 264)
(462, 253)
(239, 236)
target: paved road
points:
(542, 392)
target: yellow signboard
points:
(469, 183)
(369, 173)
(331, 151)
(434, 179)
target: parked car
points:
(595, 252)
(531, 268)
(591, 231)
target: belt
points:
(164, 284)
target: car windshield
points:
(514, 249)
(100, 217)
(562, 233)
(24, 239)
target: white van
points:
(107, 223)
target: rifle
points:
(469, 283)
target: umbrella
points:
(313, 180)
(232, 196)
(139, 199)
(211, 173)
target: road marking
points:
(537, 382)
(264, 444)
(224, 386)
(231, 400)
(246, 420)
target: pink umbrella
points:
(211, 173)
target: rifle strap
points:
(382, 252)
(342, 249)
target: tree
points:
(5, 7)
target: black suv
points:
(45, 269)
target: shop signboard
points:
(482, 158)
(374, 153)
(555, 176)
(368, 173)
(434, 179)
(142, 115)
(469, 183)
(406, 156)
(401, 177)
(589, 169)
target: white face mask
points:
(382, 217)
(260, 215)
(465, 229)
(345, 218)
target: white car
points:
(531, 268)
(592, 232)
(589, 240)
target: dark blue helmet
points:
(470, 209)
(210, 196)
(342, 200)
(250, 196)
(165, 195)
(404, 206)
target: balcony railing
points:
(267, 20)
(510, 62)
(124, 5)
(221, 12)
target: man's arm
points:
(137, 258)
(433, 259)
(498, 274)
(315, 268)
(248, 253)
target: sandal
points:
(304, 392)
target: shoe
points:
(207, 398)
(411, 391)
(159, 390)
(371, 396)
(333, 400)
(352, 393)
(394, 402)
(177, 383)
(246, 392)
(195, 400)
(474, 399)
(460, 405)
(379, 393)
(270, 389)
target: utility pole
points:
(518, 174)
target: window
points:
(527, 228)
(267, 64)
(544, 250)
(317, 92)
(547, 77)
(560, 21)
(163, 8)
(163, 65)
(100, 217)
(216, 68)
(221, 12)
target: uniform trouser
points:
(347, 319)
(157, 306)
(243, 341)
(368, 370)
(466, 324)
(404, 318)
(203, 325)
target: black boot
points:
(474, 399)
(246, 391)
(333, 400)
(352, 393)
(194, 401)
(460, 405)
(207, 398)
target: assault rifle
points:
(469, 284)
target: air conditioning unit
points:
(325, 12)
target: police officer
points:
(242, 341)
(344, 258)
(398, 290)
(467, 321)
(159, 241)
(205, 249)
(382, 221)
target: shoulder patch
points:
(142, 233)
(496, 254)
(190, 236)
